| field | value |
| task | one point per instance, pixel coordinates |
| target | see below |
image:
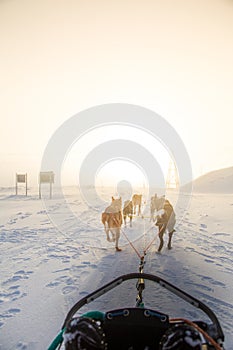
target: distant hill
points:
(218, 181)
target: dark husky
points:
(166, 222)
(156, 204)
(137, 202)
(128, 211)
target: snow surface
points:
(217, 181)
(51, 257)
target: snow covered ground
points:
(51, 256)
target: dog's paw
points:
(118, 249)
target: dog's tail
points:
(104, 218)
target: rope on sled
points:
(131, 244)
(153, 240)
(194, 325)
(140, 284)
(147, 247)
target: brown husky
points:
(112, 221)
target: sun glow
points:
(119, 173)
(111, 172)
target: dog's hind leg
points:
(171, 230)
(124, 215)
(139, 209)
(161, 243)
(130, 218)
(106, 228)
(169, 245)
(117, 240)
(113, 232)
(161, 233)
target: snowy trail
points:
(44, 271)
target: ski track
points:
(77, 261)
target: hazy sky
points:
(59, 57)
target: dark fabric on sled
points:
(134, 327)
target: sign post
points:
(46, 177)
(21, 178)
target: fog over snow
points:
(55, 251)
(80, 84)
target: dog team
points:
(161, 212)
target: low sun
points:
(113, 172)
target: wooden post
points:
(39, 190)
(26, 179)
(16, 185)
(46, 177)
(50, 190)
(20, 178)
